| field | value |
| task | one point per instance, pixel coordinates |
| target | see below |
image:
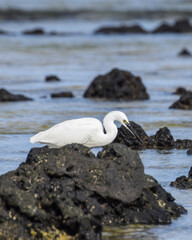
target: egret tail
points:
(35, 138)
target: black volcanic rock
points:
(52, 78)
(183, 182)
(70, 191)
(181, 91)
(183, 144)
(62, 95)
(120, 30)
(117, 85)
(3, 32)
(164, 139)
(180, 26)
(185, 53)
(125, 137)
(6, 96)
(36, 31)
(184, 102)
(189, 152)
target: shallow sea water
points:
(79, 57)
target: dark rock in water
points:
(40, 31)
(62, 95)
(190, 172)
(183, 144)
(52, 78)
(6, 96)
(164, 139)
(183, 182)
(117, 85)
(125, 137)
(189, 152)
(37, 31)
(185, 53)
(180, 26)
(70, 191)
(181, 91)
(121, 30)
(184, 102)
(2, 32)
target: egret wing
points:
(72, 131)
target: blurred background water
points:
(77, 58)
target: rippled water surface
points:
(77, 58)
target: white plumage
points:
(86, 131)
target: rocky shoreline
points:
(70, 192)
(179, 26)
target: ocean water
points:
(77, 58)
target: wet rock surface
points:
(6, 96)
(117, 85)
(120, 30)
(163, 139)
(184, 102)
(183, 182)
(62, 95)
(70, 191)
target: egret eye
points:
(124, 121)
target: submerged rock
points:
(180, 26)
(62, 95)
(52, 78)
(6, 96)
(3, 32)
(185, 53)
(183, 182)
(42, 32)
(184, 102)
(36, 31)
(120, 30)
(117, 85)
(70, 191)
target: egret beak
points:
(131, 130)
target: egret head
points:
(122, 118)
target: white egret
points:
(86, 131)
